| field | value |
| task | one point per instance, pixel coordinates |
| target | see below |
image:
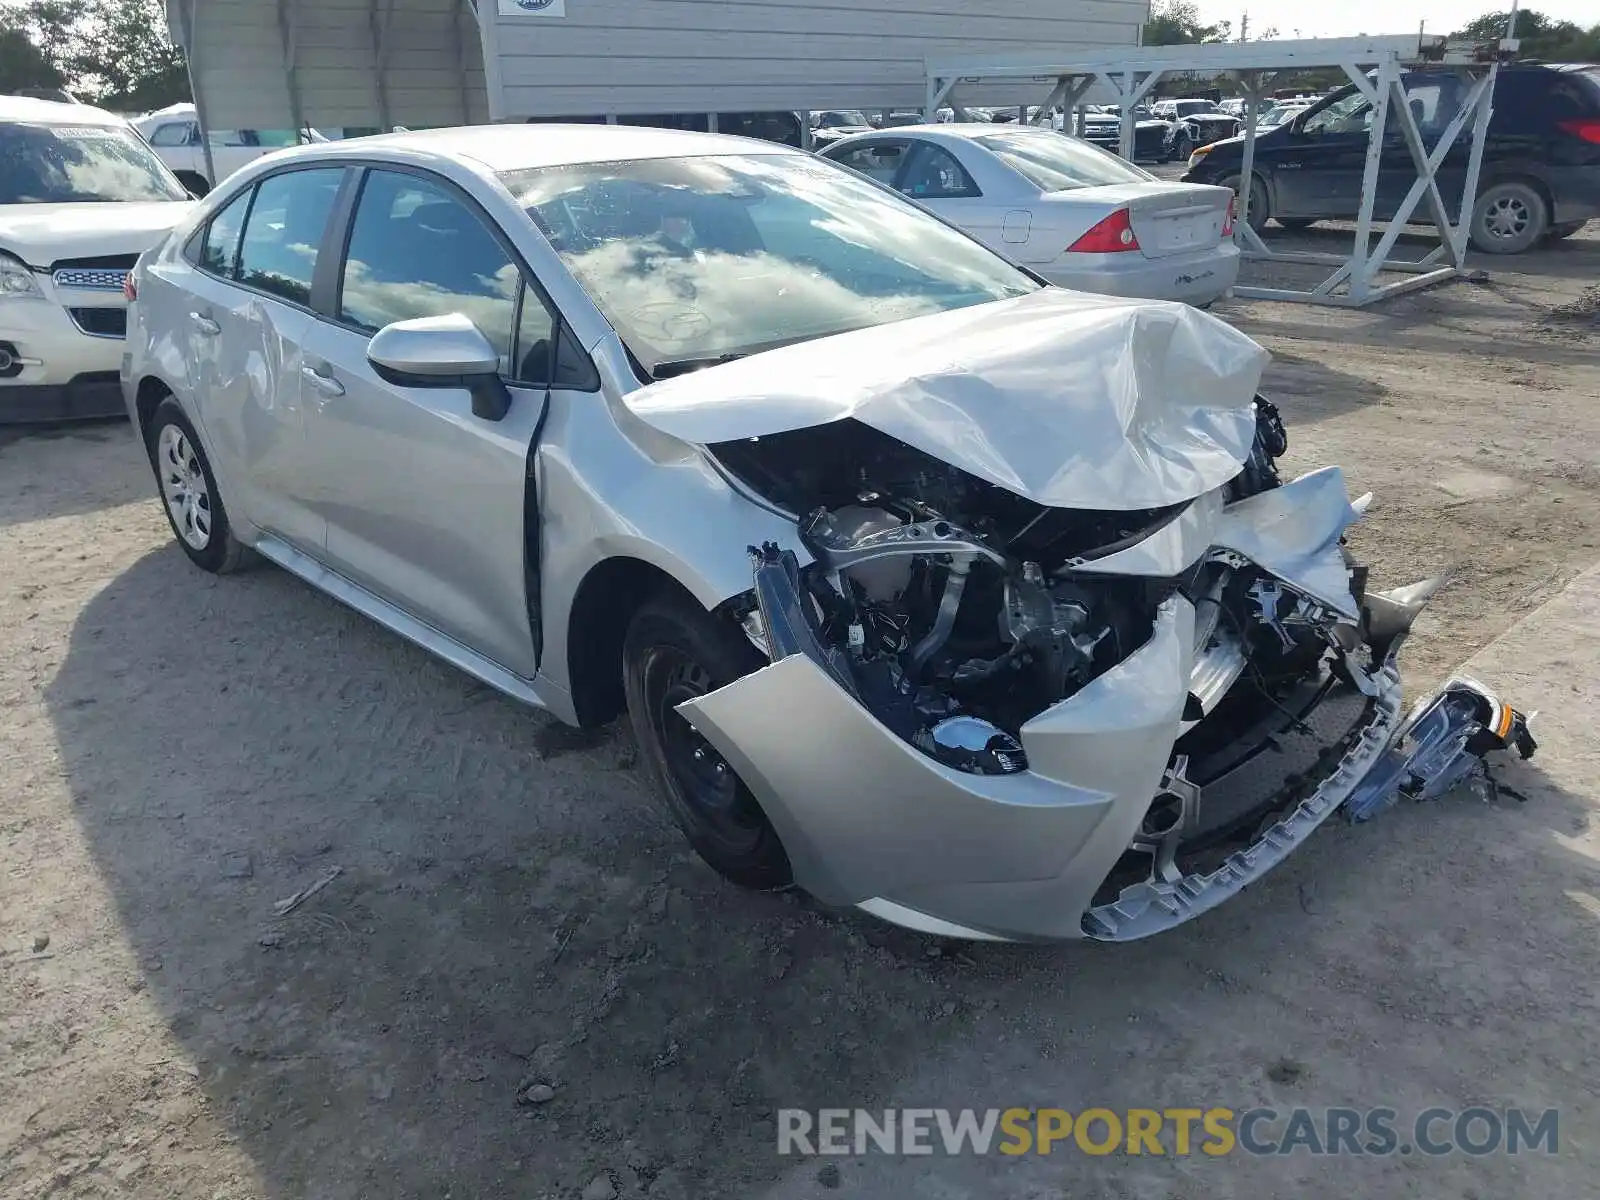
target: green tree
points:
(1177, 23)
(22, 64)
(115, 52)
(1540, 37)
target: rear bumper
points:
(92, 394)
(1198, 278)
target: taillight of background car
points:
(130, 289)
(1588, 129)
(1111, 236)
(1227, 221)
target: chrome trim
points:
(89, 279)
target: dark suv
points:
(1541, 161)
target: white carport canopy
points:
(288, 64)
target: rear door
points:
(250, 315)
(426, 503)
(935, 178)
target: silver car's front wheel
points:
(189, 492)
(183, 487)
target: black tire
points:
(221, 552)
(1560, 232)
(1509, 218)
(675, 650)
(196, 184)
(1296, 223)
(1260, 207)
(1182, 148)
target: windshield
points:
(70, 164)
(701, 258)
(1053, 163)
(846, 118)
(1188, 108)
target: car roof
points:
(51, 112)
(965, 130)
(518, 147)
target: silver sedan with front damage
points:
(940, 592)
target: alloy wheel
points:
(183, 487)
(1506, 218)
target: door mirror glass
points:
(448, 351)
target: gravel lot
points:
(177, 753)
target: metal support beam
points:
(191, 59)
(457, 13)
(289, 31)
(379, 15)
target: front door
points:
(424, 502)
(1317, 164)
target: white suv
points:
(174, 134)
(81, 197)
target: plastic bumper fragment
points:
(1443, 742)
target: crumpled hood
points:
(41, 234)
(1069, 399)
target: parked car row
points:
(971, 602)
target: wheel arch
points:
(151, 392)
(611, 592)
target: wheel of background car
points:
(1510, 217)
(189, 494)
(1260, 208)
(1566, 230)
(1182, 147)
(675, 651)
(1297, 223)
(196, 184)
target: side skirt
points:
(430, 639)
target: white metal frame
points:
(1373, 65)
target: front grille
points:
(89, 279)
(101, 322)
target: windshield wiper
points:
(673, 367)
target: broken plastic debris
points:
(1444, 743)
(285, 907)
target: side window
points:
(417, 251)
(175, 134)
(934, 174)
(876, 160)
(219, 248)
(285, 230)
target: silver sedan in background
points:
(1067, 210)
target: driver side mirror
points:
(442, 352)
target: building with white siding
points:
(378, 63)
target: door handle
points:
(205, 324)
(326, 384)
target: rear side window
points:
(285, 231)
(418, 251)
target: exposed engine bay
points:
(956, 611)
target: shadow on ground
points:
(71, 488)
(510, 909)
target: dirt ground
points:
(178, 752)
